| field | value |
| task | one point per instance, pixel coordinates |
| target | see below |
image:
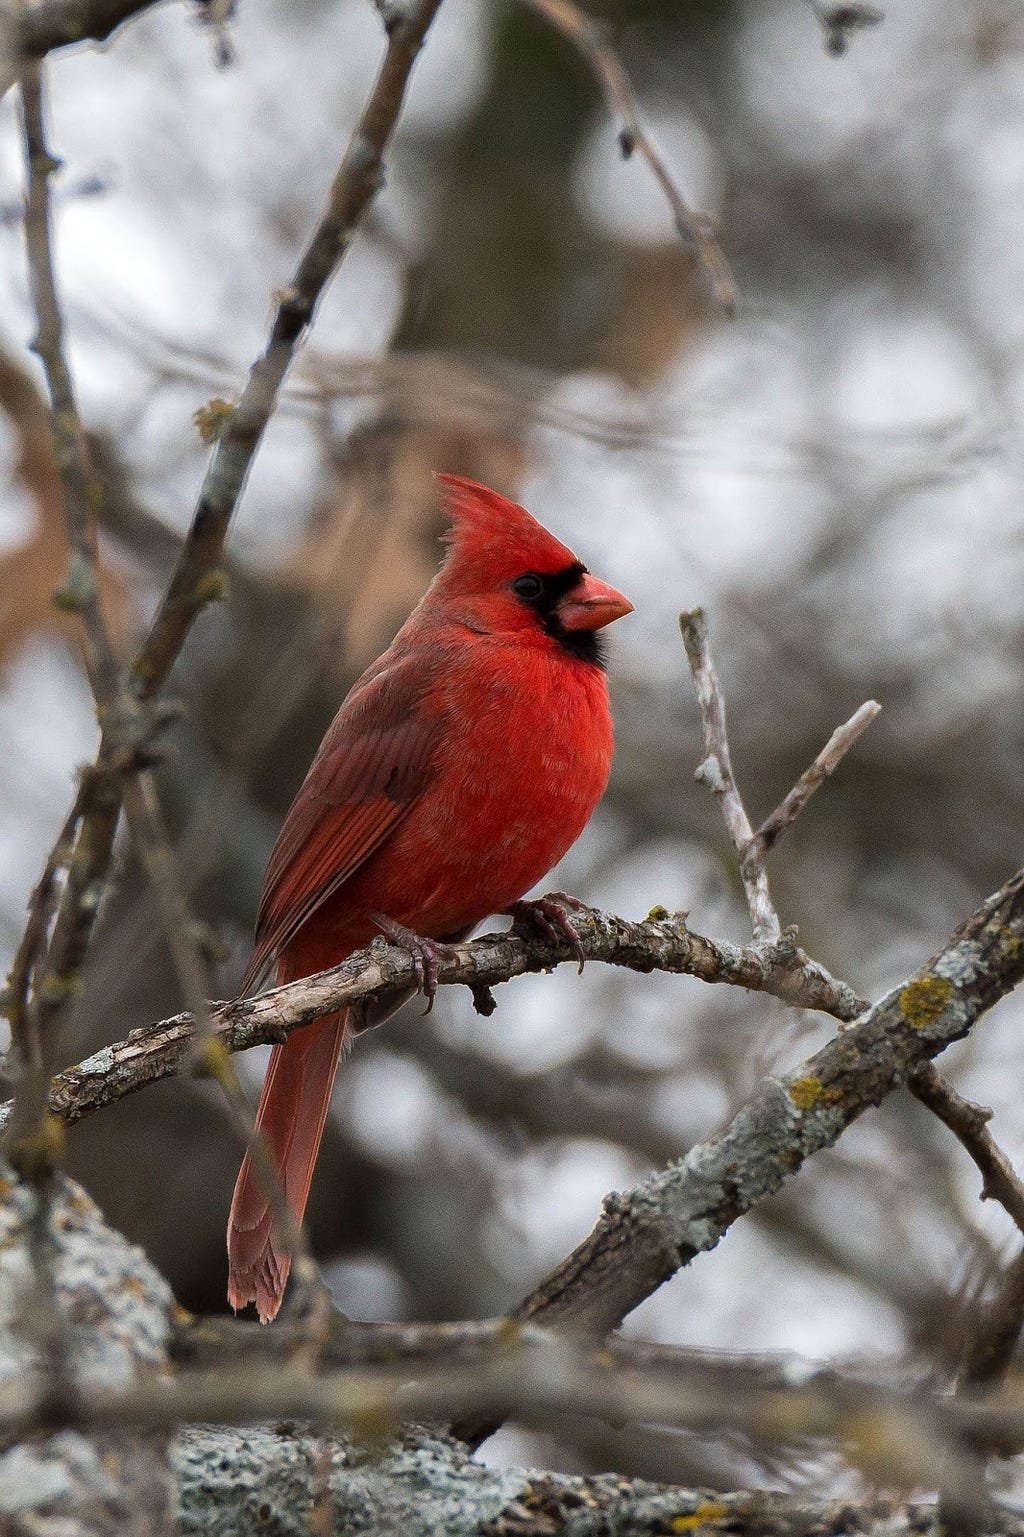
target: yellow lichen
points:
(806, 1092)
(705, 1514)
(213, 1059)
(212, 419)
(924, 1000)
(213, 587)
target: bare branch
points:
(658, 944)
(826, 763)
(969, 1123)
(716, 773)
(696, 230)
(48, 24)
(359, 178)
(82, 490)
(206, 1053)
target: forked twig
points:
(716, 772)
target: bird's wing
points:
(373, 764)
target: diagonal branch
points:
(646, 1235)
(359, 178)
(969, 1123)
(812, 779)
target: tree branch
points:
(716, 772)
(360, 176)
(660, 943)
(652, 1231)
(812, 779)
(423, 1485)
(29, 32)
(969, 1124)
(696, 230)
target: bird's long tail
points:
(293, 1109)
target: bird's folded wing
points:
(373, 765)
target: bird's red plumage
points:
(460, 768)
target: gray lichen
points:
(115, 1308)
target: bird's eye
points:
(528, 587)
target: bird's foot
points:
(428, 955)
(549, 916)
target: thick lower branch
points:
(648, 1234)
(423, 1485)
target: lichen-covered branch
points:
(659, 943)
(423, 1485)
(647, 1234)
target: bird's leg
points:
(428, 955)
(549, 916)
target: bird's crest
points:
(488, 530)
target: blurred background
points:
(835, 475)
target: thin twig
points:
(206, 1052)
(82, 491)
(826, 763)
(696, 230)
(716, 772)
(969, 1123)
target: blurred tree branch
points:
(30, 32)
(240, 431)
(696, 230)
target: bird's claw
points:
(428, 955)
(549, 916)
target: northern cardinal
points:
(462, 765)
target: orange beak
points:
(591, 605)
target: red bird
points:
(460, 768)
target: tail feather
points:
(292, 1111)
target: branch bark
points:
(31, 31)
(660, 943)
(358, 180)
(655, 1229)
(422, 1485)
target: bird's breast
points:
(524, 752)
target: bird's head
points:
(507, 574)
